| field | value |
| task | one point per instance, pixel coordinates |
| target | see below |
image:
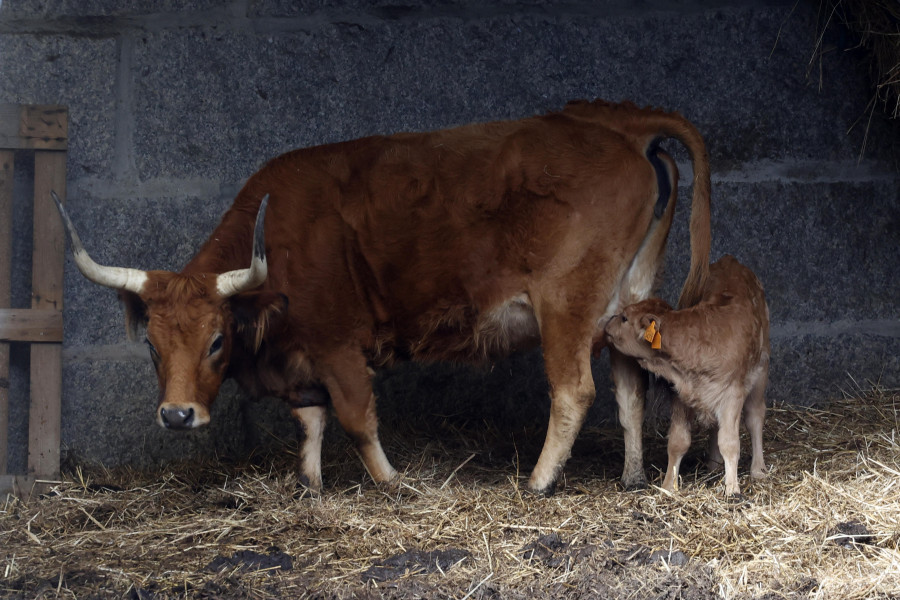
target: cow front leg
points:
(312, 420)
(629, 382)
(571, 394)
(350, 385)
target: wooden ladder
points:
(41, 131)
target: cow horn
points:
(241, 280)
(118, 278)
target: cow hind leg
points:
(571, 394)
(350, 387)
(629, 382)
(312, 420)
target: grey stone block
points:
(242, 97)
(109, 418)
(139, 233)
(61, 9)
(809, 370)
(79, 73)
(824, 252)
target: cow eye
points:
(216, 345)
(624, 319)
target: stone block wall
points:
(174, 103)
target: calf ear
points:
(255, 313)
(648, 318)
(135, 313)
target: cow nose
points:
(177, 418)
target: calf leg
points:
(350, 387)
(629, 381)
(571, 394)
(714, 460)
(754, 416)
(312, 419)
(729, 419)
(679, 441)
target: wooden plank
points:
(38, 127)
(46, 294)
(30, 325)
(7, 159)
(9, 126)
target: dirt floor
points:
(825, 524)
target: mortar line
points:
(123, 167)
(126, 184)
(230, 16)
(798, 171)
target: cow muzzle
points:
(173, 416)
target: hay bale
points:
(876, 25)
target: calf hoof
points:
(736, 499)
(307, 487)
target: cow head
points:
(627, 331)
(191, 321)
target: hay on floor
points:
(825, 524)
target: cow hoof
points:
(635, 484)
(545, 492)
(388, 486)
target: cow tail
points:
(673, 125)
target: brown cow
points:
(716, 354)
(462, 244)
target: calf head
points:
(191, 320)
(627, 331)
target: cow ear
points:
(135, 313)
(255, 313)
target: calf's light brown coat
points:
(716, 354)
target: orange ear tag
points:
(651, 334)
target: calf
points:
(716, 354)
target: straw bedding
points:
(876, 26)
(826, 523)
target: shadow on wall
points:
(509, 395)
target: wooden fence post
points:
(43, 130)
